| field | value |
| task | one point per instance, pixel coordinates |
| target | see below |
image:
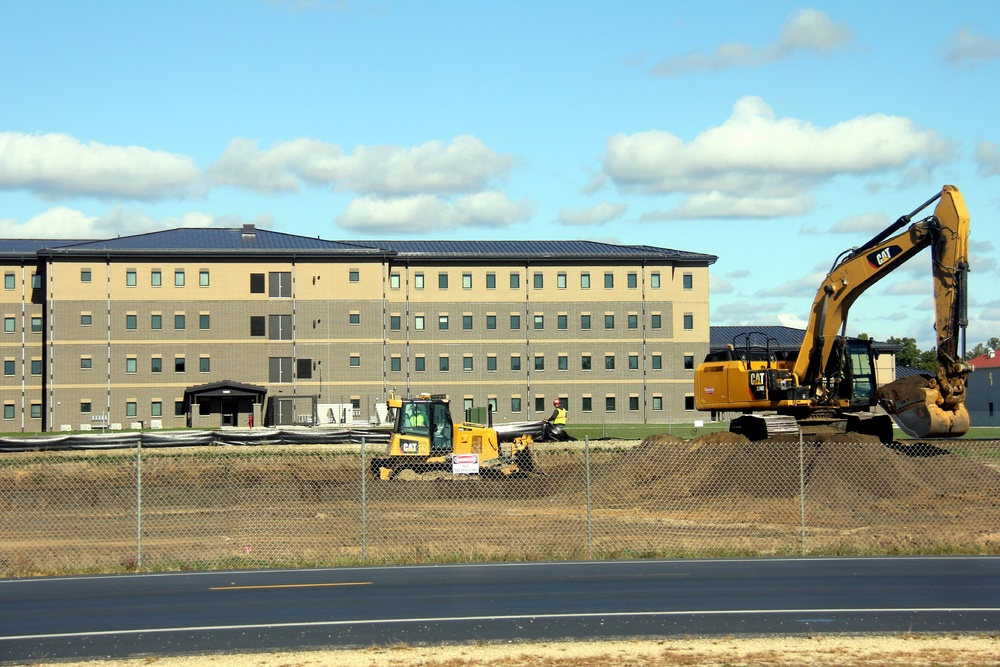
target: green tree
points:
(982, 348)
(908, 354)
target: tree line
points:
(910, 355)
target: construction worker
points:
(557, 420)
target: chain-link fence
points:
(714, 495)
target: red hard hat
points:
(555, 402)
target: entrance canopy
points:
(225, 389)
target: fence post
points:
(590, 525)
(138, 505)
(802, 495)
(364, 508)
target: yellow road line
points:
(344, 583)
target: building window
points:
(442, 322)
(395, 322)
(515, 404)
(467, 322)
(9, 281)
(562, 322)
(180, 321)
(633, 321)
(179, 364)
(466, 281)
(540, 404)
(633, 362)
(539, 322)
(609, 280)
(355, 361)
(132, 322)
(203, 278)
(156, 409)
(442, 280)
(156, 278)
(279, 369)
(688, 362)
(156, 365)
(304, 368)
(86, 319)
(86, 362)
(585, 322)
(633, 403)
(85, 407)
(563, 362)
(655, 321)
(419, 364)
(131, 365)
(609, 403)
(609, 321)
(84, 275)
(609, 362)
(656, 362)
(515, 280)
(258, 325)
(586, 404)
(539, 281)
(539, 362)
(204, 364)
(418, 280)
(131, 408)
(257, 283)
(657, 403)
(395, 364)
(36, 410)
(560, 281)
(354, 276)
(584, 281)
(354, 318)
(688, 322)
(9, 325)
(279, 284)
(515, 362)
(689, 403)
(204, 321)
(687, 280)
(491, 363)
(515, 322)
(466, 363)
(179, 278)
(633, 280)
(585, 362)
(36, 366)
(394, 281)
(130, 278)
(36, 281)
(36, 324)
(8, 411)
(418, 322)
(491, 281)
(8, 367)
(491, 321)
(444, 364)
(280, 327)
(654, 280)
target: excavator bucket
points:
(916, 405)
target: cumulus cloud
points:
(740, 312)
(464, 165)
(717, 285)
(966, 48)
(66, 223)
(987, 158)
(758, 165)
(808, 30)
(805, 286)
(865, 223)
(910, 287)
(426, 213)
(58, 165)
(595, 215)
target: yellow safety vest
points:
(560, 416)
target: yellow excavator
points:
(829, 383)
(424, 438)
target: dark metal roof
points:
(213, 240)
(776, 337)
(226, 388)
(21, 247)
(497, 250)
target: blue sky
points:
(773, 134)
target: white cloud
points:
(58, 165)
(809, 30)
(717, 285)
(595, 215)
(965, 47)
(865, 223)
(805, 286)
(793, 321)
(66, 223)
(426, 213)
(758, 165)
(745, 312)
(988, 158)
(910, 287)
(464, 165)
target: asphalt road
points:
(199, 612)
